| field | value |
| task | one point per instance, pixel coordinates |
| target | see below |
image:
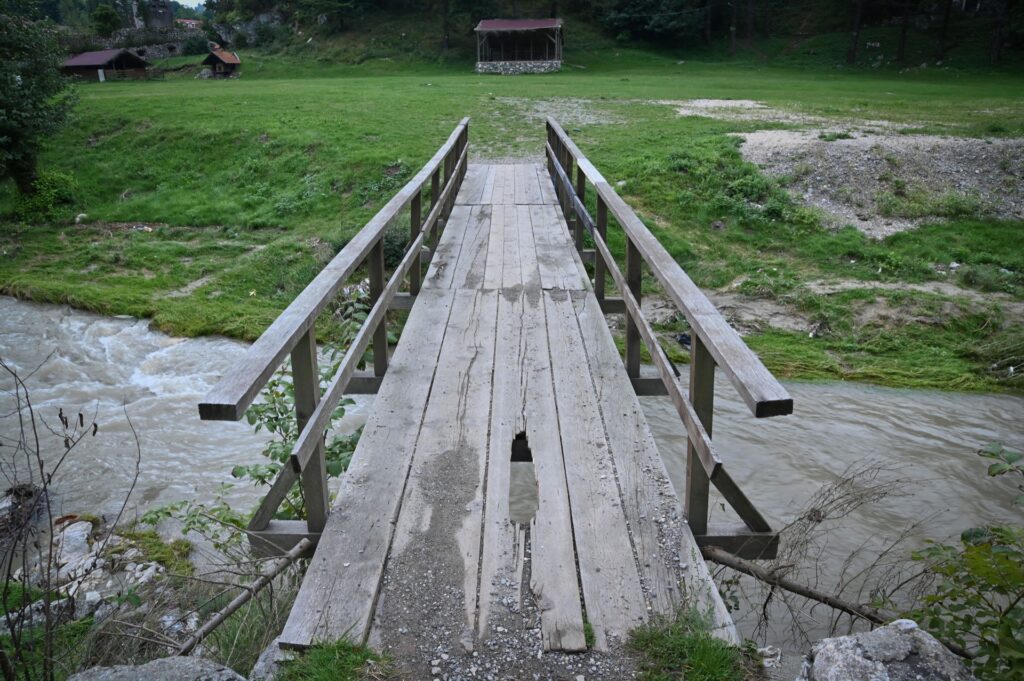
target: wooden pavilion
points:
(105, 65)
(518, 46)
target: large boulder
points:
(900, 651)
(165, 669)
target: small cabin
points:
(512, 46)
(190, 24)
(103, 65)
(224, 64)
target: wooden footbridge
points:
(505, 349)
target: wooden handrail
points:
(229, 399)
(763, 394)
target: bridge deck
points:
(506, 337)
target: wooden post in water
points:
(415, 225)
(306, 381)
(702, 396)
(380, 334)
(602, 229)
(634, 279)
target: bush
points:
(195, 45)
(52, 199)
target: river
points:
(109, 366)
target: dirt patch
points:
(519, 125)
(750, 110)
(190, 288)
(883, 184)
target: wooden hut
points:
(106, 65)
(224, 64)
(518, 46)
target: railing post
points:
(634, 279)
(380, 334)
(415, 226)
(306, 382)
(702, 396)
(581, 189)
(602, 229)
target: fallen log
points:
(250, 590)
(873, 615)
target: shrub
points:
(195, 45)
(52, 199)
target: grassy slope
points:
(251, 185)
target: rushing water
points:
(109, 366)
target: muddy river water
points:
(109, 366)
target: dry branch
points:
(272, 570)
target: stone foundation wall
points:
(512, 68)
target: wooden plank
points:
(337, 596)
(523, 402)
(527, 184)
(662, 539)
(438, 534)
(471, 192)
(554, 249)
(495, 249)
(608, 572)
(469, 270)
(508, 185)
(511, 270)
(488, 188)
(740, 541)
(278, 537)
(547, 189)
(702, 397)
(442, 265)
(530, 270)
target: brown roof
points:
(500, 25)
(224, 56)
(102, 58)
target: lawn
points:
(209, 205)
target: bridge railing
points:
(714, 343)
(293, 333)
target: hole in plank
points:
(522, 482)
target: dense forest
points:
(675, 23)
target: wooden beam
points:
(740, 541)
(648, 386)
(279, 537)
(612, 305)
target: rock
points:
(897, 651)
(205, 74)
(166, 669)
(717, 225)
(269, 662)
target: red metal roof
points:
(498, 25)
(98, 58)
(226, 57)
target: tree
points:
(858, 18)
(35, 98)
(943, 30)
(105, 20)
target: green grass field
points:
(243, 189)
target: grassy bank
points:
(210, 205)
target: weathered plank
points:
(508, 185)
(523, 402)
(528, 266)
(527, 185)
(547, 189)
(511, 271)
(608, 572)
(662, 539)
(495, 249)
(338, 593)
(469, 270)
(471, 192)
(437, 536)
(442, 265)
(554, 249)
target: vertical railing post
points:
(581, 189)
(415, 227)
(380, 334)
(435, 192)
(702, 396)
(634, 279)
(602, 229)
(306, 382)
